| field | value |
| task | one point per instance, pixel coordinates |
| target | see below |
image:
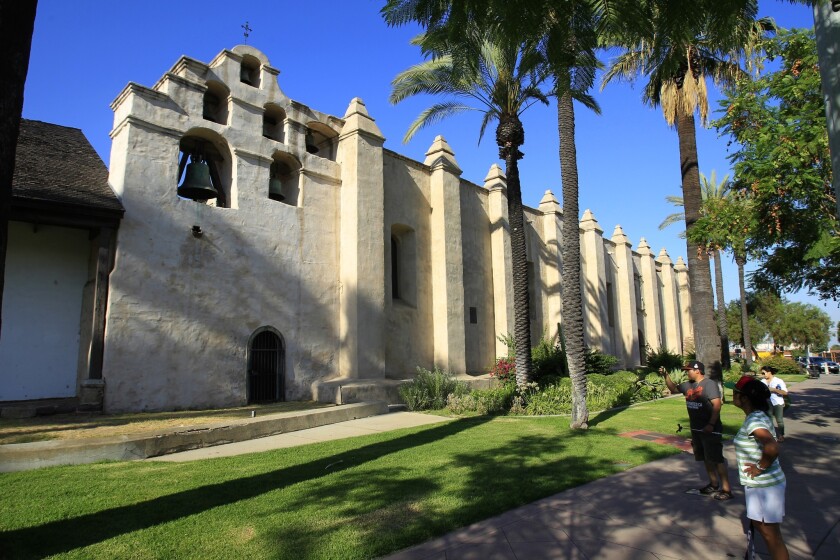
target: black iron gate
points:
(265, 368)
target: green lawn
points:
(353, 498)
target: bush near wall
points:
(549, 362)
(496, 400)
(662, 358)
(430, 389)
(602, 392)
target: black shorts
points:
(707, 447)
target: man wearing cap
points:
(702, 399)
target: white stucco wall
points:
(409, 319)
(182, 308)
(46, 271)
(480, 337)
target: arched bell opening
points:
(266, 366)
(215, 107)
(249, 71)
(274, 118)
(321, 140)
(284, 179)
(204, 170)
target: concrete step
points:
(25, 456)
(40, 407)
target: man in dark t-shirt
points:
(702, 399)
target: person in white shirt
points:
(778, 392)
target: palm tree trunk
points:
(510, 135)
(723, 328)
(17, 20)
(570, 282)
(740, 260)
(706, 338)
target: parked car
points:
(818, 363)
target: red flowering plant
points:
(504, 370)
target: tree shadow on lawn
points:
(512, 474)
(527, 467)
(64, 535)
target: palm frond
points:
(434, 114)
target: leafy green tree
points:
(804, 325)
(781, 159)
(735, 320)
(727, 224)
(500, 77)
(684, 43)
(787, 323)
(712, 192)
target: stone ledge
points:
(26, 456)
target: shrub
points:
(552, 399)
(734, 374)
(784, 366)
(656, 359)
(549, 360)
(483, 401)
(650, 387)
(430, 389)
(598, 362)
(602, 392)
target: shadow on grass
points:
(65, 535)
(502, 477)
(362, 513)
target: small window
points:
(395, 269)
(473, 315)
(403, 264)
(532, 292)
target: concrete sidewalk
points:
(645, 512)
(350, 428)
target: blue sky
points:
(84, 53)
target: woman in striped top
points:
(758, 464)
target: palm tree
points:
(711, 191)
(17, 20)
(571, 38)
(685, 43)
(501, 78)
(567, 32)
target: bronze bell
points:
(275, 190)
(311, 147)
(197, 184)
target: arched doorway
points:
(266, 366)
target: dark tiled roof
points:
(56, 164)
